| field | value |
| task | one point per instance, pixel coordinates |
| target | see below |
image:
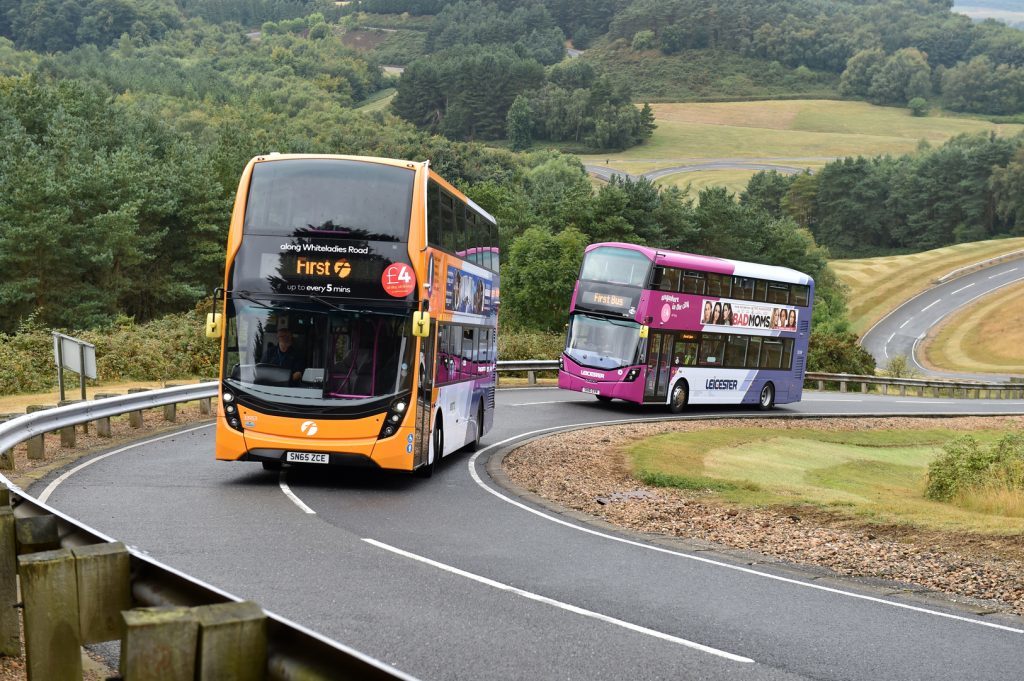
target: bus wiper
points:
(243, 296)
(327, 303)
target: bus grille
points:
(798, 365)
(490, 398)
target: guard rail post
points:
(36, 533)
(171, 410)
(842, 385)
(37, 444)
(159, 644)
(7, 456)
(67, 433)
(10, 622)
(232, 642)
(104, 590)
(135, 417)
(103, 424)
(205, 407)
(49, 588)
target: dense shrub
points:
(838, 353)
(172, 347)
(965, 465)
(522, 344)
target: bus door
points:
(424, 396)
(659, 367)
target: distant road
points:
(605, 172)
(902, 330)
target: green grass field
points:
(984, 337)
(878, 285)
(875, 476)
(379, 101)
(807, 131)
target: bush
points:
(643, 40)
(918, 106)
(965, 465)
(518, 344)
(168, 348)
(838, 353)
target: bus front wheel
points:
(680, 395)
(767, 399)
(432, 467)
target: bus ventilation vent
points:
(798, 365)
(804, 326)
(490, 398)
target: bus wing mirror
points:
(644, 331)
(213, 325)
(421, 324)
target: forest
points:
(127, 124)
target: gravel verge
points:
(587, 471)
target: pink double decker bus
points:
(659, 327)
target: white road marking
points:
(291, 495)
(1003, 273)
(932, 305)
(908, 320)
(961, 289)
(53, 485)
(700, 559)
(559, 604)
(530, 404)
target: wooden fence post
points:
(37, 444)
(53, 650)
(103, 424)
(10, 624)
(135, 417)
(104, 590)
(67, 433)
(36, 533)
(159, 644)
(7, 456)
(232, 642)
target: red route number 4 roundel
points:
(398, 280)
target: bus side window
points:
(670, 279)
(743, 288)
(434, 226)
(693, 282)
(771, 354)
(761, 290)
(469, 350)
(712, 346)
(787, 354)
(449, 237)
(684, 353)
(719, 285)
(800, 294)
(736, 351)
(463, 238)
(778, 293)
(754, 352)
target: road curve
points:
(902, 330)
(454, 577)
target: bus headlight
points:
(400, 407)
(228, 397)
(393, 418)
(631, 375)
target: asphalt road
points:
(456, 578)
(900, 332)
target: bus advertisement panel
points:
(658, 327)
(332, 312)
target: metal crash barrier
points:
(79, 586)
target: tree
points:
(539, 277)
(918, 107)
(519, 123)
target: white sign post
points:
(77, 355)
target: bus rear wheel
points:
(475, 444)
(767, 399)
(680, 396)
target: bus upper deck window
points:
(778, 293)
(800, 294)
(693, 282)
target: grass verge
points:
(876, 476)
(986, 337)
(813, 130)
(879, 285)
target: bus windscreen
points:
(343, 198)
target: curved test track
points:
(456, 577)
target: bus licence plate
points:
(591, 391)
(306, 457)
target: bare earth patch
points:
(587, 471)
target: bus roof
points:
(706, 263)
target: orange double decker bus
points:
(358, 317)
